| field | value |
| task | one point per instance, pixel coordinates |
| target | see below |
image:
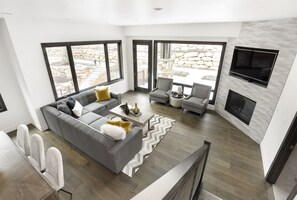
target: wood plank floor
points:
(234, 169)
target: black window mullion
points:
(74, 76)
(120, 59)
(49, 71)
(72, 68)
(107, 62)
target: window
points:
(77, 66)
(61, 71)
(90, 65)
(189, 62)
(114, 61)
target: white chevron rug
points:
(161, 127)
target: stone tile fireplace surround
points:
(271, 34)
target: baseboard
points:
(14, 127)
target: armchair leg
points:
(67, 193)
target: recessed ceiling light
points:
(158, 8)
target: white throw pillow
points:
(78, 108)
(116, 132)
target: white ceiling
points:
(138, 12)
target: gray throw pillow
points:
(70, 103)
(62, 106)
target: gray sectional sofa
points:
(84, 132)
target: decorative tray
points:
(132, 113)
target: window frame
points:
(68, 46)
(155, 64)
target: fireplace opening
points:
(240, 106)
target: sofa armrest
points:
(50, 115)
(123, 151)
(116, 96)
(205, 101)
(169, 92)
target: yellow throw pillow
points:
(102, 93)
(124, 124)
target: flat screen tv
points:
(253, 64)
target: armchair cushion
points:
(164, 83)
(194, 102)
(159, 94)
(201, 91)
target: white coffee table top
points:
(139, 120)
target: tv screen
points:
(253, 64)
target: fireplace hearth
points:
(240, 106)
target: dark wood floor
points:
(234, 169)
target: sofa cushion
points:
(194, 102)
(85, 111)
(95, 107)
(98, 123)
(111, 103)
(85, 97)
(159, 94)
(89, 118)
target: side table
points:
(175, 101)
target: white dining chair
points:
(54, 169)
(37, 156)
(22, 139)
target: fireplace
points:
(240, 106)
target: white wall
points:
(26, 36)
(216, 32)
(186, 30)
(286, 180)
(17, 112)
(281, 120)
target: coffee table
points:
(142, 120)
